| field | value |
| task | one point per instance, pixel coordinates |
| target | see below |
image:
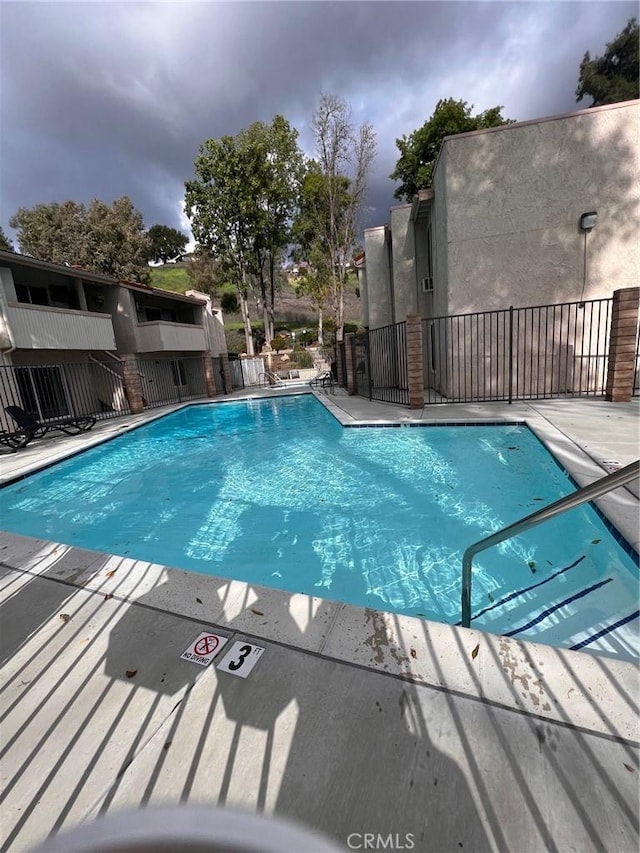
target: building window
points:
(32, 295)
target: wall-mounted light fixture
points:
(587, 223)
(588, 220)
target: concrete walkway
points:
(443, 739)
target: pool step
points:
(596, 616)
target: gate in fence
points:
(360, 362)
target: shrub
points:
(279, 342)
(229, 303)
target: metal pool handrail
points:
(587, 493)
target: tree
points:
(108, 239)
(311, 251)
(117, 244)
(345, 155)
(53, 232)
(205, 272)
(221, 208)
(241, 204)
(5, 243)
(419, 151)
(166, 243)
(277, 176)
(613, 77)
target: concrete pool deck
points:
(352, 722)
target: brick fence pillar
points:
(350, 378)
(209, 375)
(622, 345)
(415, 361)
(132, 384)
(226, 373)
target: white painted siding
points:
(39, 327)
(161, 336)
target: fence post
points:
(340, 377)
(622, 345)
(415, 362)
(350, 379)
(510, 354)
(209, 378)
(367, 351)
(226, 373)
(132, 384)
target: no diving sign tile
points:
(240, 659)
(204, 648)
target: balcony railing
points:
(162, 336)
(42, 327)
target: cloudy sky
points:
(104, 99)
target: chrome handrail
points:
(587, 493)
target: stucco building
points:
(501, 224)
(65, 334)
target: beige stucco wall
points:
(513, 201)
(405, 282)
(378, 279)
(440, 299)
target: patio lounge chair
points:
(36, 429)
(324, 378)
(15, 440)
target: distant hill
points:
(289, 307)
(171, 277)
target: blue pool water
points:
(277, 493)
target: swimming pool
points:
(276, 492)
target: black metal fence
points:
(513, 354)
(95, 387)
(380, 364)
(69, 389)
(518, 353)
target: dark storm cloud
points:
(105, 99)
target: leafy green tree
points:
(222, 210)
(344, 157)
(613, 77)
(241, 204)
(117, 243)
(5, 243)
(419, 151)
(311, 250)
(277, 178)
(108, 239)
(166, 243)
(53, 232)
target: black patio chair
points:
(15, 440)
(36, 429)
(324, 378)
